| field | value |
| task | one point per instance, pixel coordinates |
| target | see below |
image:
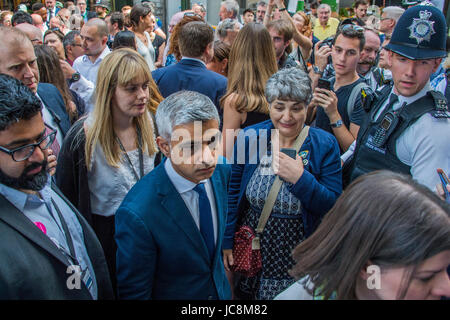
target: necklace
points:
(141, 156)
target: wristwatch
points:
(337, 124)
(317, 70)
(75, 77)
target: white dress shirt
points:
(190, 197)
(86, 85)
(424, 145)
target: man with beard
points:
(47, 250)
(367, 61)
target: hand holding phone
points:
(324, 84)
(444, 181)
(290, 152)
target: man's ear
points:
(209, 52)
(163, 145)
(437, 63)
(389, 56)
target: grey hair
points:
(393, 12)
(184, 107)
(262, 4)
(69, 38)
(290, 84)
(231, 5)
(225, 25)
(324, 5)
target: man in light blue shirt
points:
(47, 250)
(83, 73)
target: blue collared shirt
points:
(40, 210)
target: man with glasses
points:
(73, 46)
(409, 124)
(389, 18)
(333, 113)
(17, 59)
(47, 249)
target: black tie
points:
(393, 99)
(206, 223)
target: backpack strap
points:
(356, 92)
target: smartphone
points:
(444, 181)
(324, 84)
(290, 152)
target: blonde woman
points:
(252, 61)
(107, 152)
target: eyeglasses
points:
(24, 152)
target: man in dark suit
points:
(52, 10)
(170, 226)
(81, 4)
(18, 60)
(47, 249)
(197, 48)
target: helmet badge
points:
(422, 29)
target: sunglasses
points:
(352, 27)
(192, 14)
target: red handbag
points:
(246, 252)
(246, 249)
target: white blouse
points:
(108, 185)
(148, 52)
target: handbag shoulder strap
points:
(275, 189)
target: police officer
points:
(408, 127)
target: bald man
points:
(32, 32)
(38, 22)
(83, 73)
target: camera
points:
(327, 42)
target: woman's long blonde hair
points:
(120, 67)
(252, 61)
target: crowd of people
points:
(277, 155)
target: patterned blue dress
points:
(282, 233)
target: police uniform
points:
(409, 134)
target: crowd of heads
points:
(245, 48)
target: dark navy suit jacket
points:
(54, 103)
(160, 251)
(193, 76)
